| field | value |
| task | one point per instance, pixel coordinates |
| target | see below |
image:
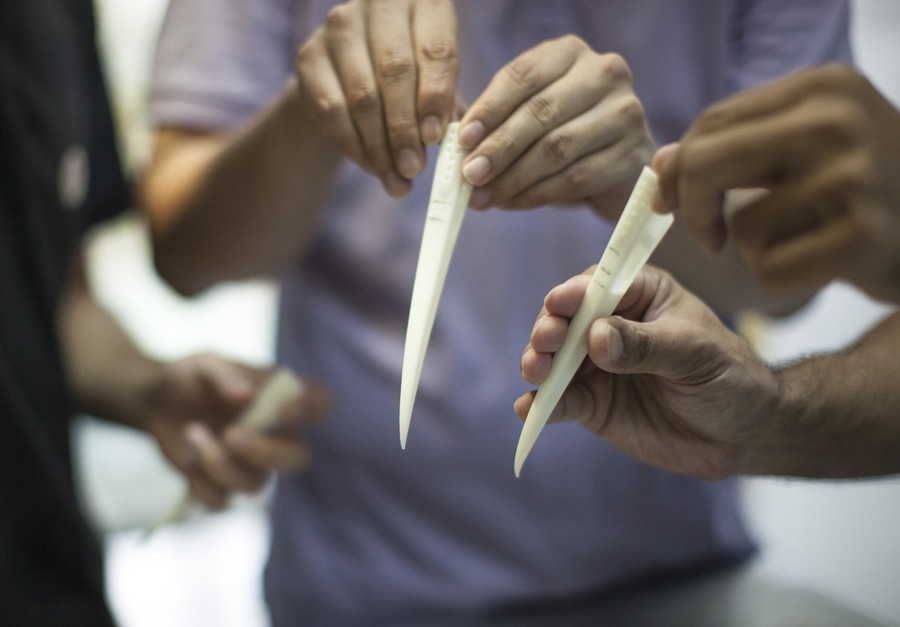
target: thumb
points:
(622, 346)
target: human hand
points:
(666, 382)
(381, 80)
(192, 414)
(824, 144)
(559, 124)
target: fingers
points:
(766, 137)
(523, 103)
(282, 447)
(309, 408)
(550, 328)
(521, 79)
(413, 46)
(562, 302)
(234, 383)
(549, 123)
(349, 52)
(381, 78)
(811, 260)
(323, 88)
(214, 472)
(696, 175)
(394, 63)
(435, 40)
(285, 453)
(585, 156)
(240, 459)
(805, 233)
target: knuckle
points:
(395, 67)
(306, 54)
(576, 178)
(835, 125)
(523, 72)
(573, 42)
(339, 18)
(558, 147)
(631, 109)
(637, 346)
(363, 100)
(613, 67)
(438, 50)
(402, 130)
(328, 110)
(501, 141)
(491, 109)
(715, 116)
(543, 110)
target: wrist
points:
(148, 390)
(771, 431)
(299, 112)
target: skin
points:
(559, 123)
(188, 405)
(672, 387)
(375, 84)
(383, 82)
(548, 123)
(823, 145)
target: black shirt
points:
(59, 173)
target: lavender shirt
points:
(373, 533)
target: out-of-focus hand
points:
(192, 412)
(559, 124)
(381, 79)
(826, 146)
(665, 382)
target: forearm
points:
(109, 376)
(238, 206)
(838, 416)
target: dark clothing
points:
(59, 173)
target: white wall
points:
(839, 538)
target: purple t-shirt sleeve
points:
(213, 68)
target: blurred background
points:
(839, 538)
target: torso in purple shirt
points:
(375, 533)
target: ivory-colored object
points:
(446, 208)
(634, 239)
(283, 387)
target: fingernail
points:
(471, 134)
(476, 170)
(408, 163)
(480, 199)
(613, 344)
(431, 130)
(396, 185)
